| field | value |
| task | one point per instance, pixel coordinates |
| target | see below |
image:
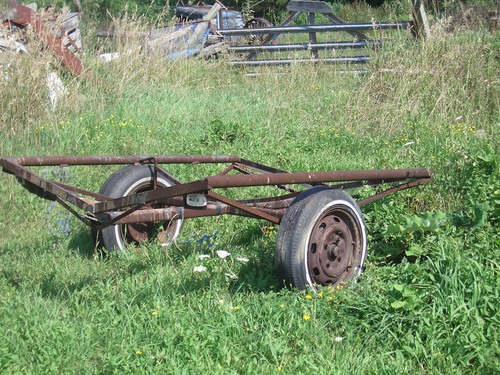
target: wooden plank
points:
(73, 40)
(75, 37)
(169, 36)
(202, 28)
(9, 44)
(305, 6)
(213, 12)
(198, 36)
(4, 42)
(71, 22)
(213, 49)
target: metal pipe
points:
(336, 60)
(305, 46)
(315, 177)
(40, 161)
(317, 28)
(179, 213)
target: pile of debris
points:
(196, 36)
(60, 31)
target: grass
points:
(427, 301)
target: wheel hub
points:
(333, 248)
(333, 251)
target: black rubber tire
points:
(321, 240)
(126, 181)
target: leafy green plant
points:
(405, 297)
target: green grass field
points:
(428, 301)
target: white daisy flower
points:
(222, 254)
(199, 269)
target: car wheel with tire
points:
(321, 240)
(131, 180)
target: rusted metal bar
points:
(258, 167)
(315, 177)
(74, 189)
(54, 42)
(181, 213)
(104, 211)
(43, 161)
(393, 190)
(150, 196)
(42, 187)
(240, 206)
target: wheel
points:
(255, 23)
(126, 181)
(321, 240)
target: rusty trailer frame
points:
(321, 237)
(102, 211)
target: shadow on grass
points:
(51, 287)
(259, 274)
(256, 275)
(83, 243)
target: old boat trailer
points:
(322, 237)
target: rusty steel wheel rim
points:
(334, 248)
(145, 232)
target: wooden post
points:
(420, 21)
(312, 36)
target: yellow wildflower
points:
(306, 317)
(308, 297)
